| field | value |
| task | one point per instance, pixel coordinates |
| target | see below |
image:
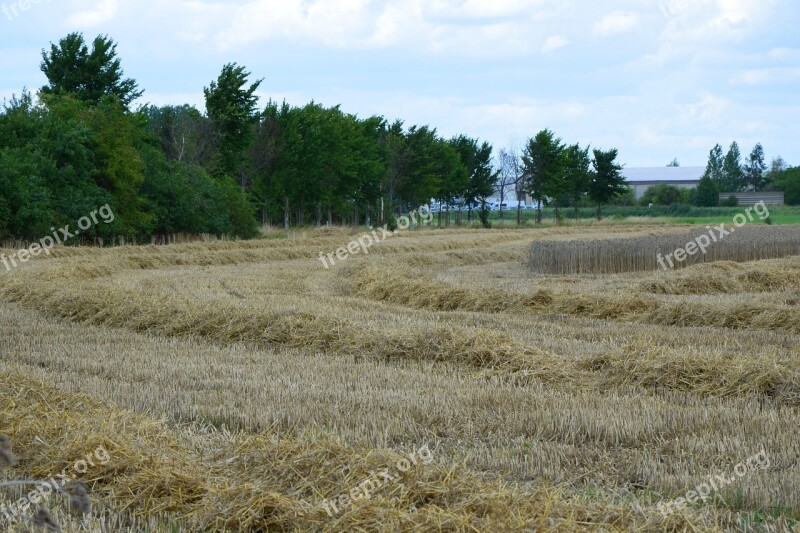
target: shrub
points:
(484, 216)
(391, 222)
(662, 194)
(732, 201)
(707, 194)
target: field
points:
(673, 214)
(433, 384)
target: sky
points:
(656, 79)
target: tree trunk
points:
(319, 214)
(286, 214)
(599, 214)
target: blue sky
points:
(656, 79)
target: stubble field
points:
(245, 387)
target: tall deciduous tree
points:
(543, 162)
(607, 182)
(72, 68)
(507, 176)
(231, 105)
(578, 174)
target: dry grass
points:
(196, 479)
(260, 381)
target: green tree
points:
(607, 181)
(231, 105)
(482, 178)
(732, 174)
(578, 174)
(433, 166)
(789, 182)
(448, 174)
(707, 194)
(543, 164)
(716, 160)
(90, 75)
(754, 169)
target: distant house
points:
(643, 178)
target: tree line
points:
(730, 173)
(555, 173)
(173, 169)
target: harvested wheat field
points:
(438, 383)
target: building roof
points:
(666, 174)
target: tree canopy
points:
(79, 144)
(608, 181)
(88, 75)
(543, 164)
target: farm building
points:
(642, 178)
(752, 198)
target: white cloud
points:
(471, 66)
(90, 18)
(709, 108)
(462, 27)
(554, 43)
(480, 9)
(766, 76)
(715, 20)
(616, 23)
(785, 53)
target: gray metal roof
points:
(670, 174)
